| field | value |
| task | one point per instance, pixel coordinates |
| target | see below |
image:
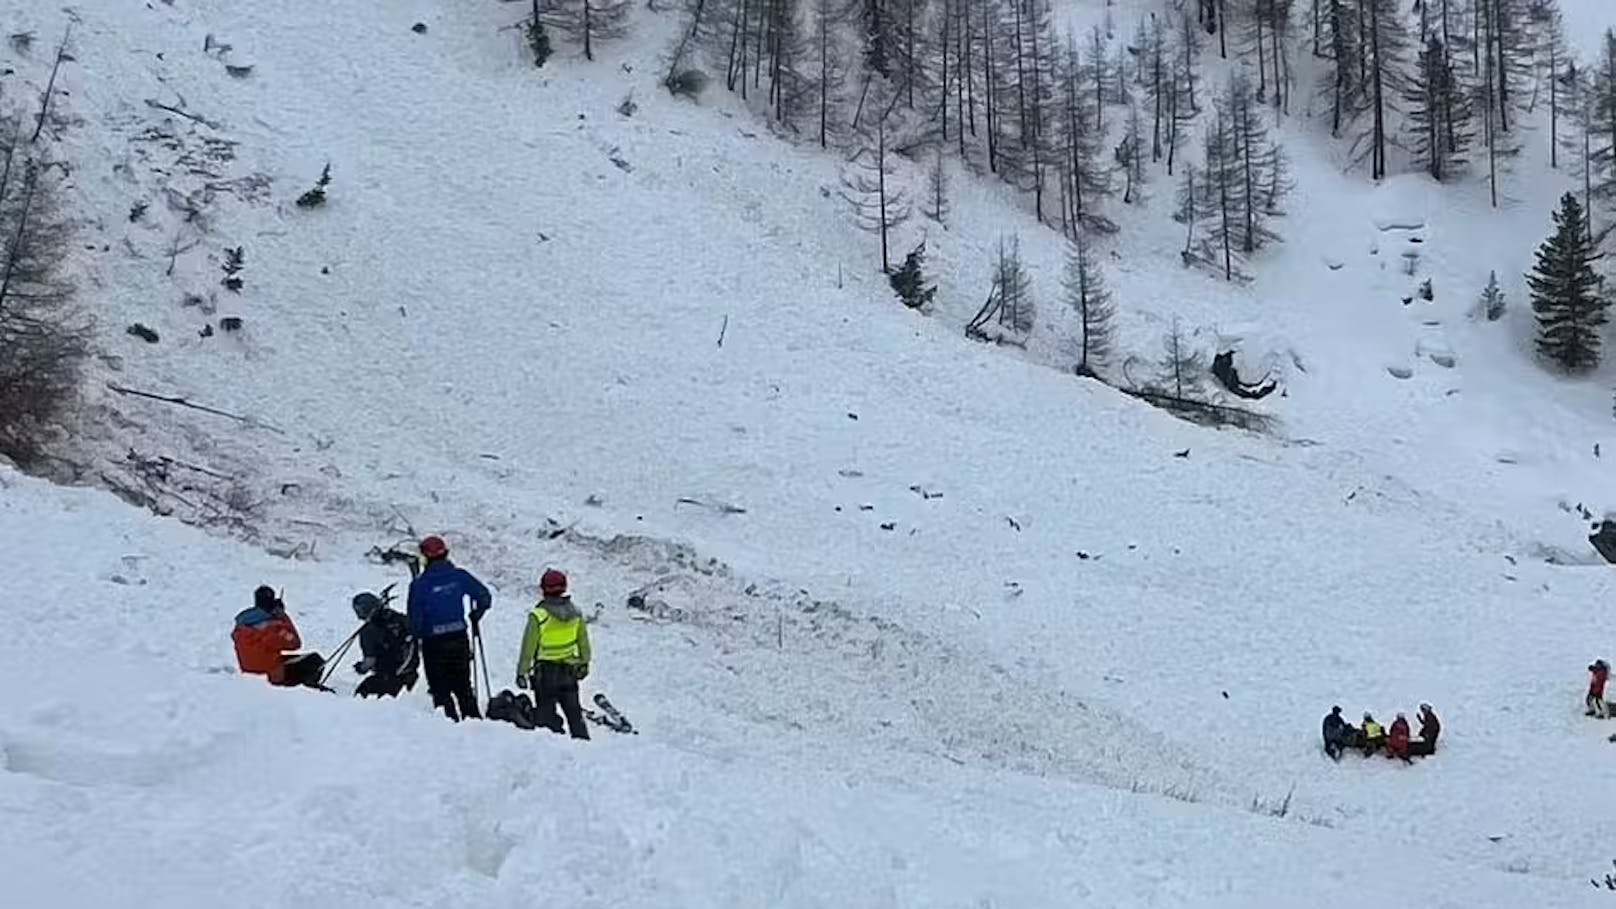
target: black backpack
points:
(513, 708)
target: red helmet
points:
(553, 583)
(433, 547)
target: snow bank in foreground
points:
(135, 773)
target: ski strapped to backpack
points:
(609, 716)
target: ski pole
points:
(336, 658)
(482, 659)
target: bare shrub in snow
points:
(43, 339)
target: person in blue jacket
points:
(437, 616)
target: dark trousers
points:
(556, 685)
(447, 661)
(385, 685)
(303, 669)
(1421, 748)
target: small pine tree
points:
(909, 281)
(538, 41)
(1492, 299)
(1566, 293)
(1086, 293)
(315, 197)
(234, 261)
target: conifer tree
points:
(1439, 114)
(909, 281)
(1384, 42)
(588, 22)
(1086, 179)
(1188, 207)
(1131, 157)
(879, 204)
(1496, 94)
(1338, 43)
(1012, 290)
(1492, 299)
(538, 40)
(1567, 295)
(1182, 368)
(1601, 127)
(1555, 58)
(936, 206)
(830, 69)
(1156, 73)
(1089, 298)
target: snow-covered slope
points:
(924, 597)
(132, 774)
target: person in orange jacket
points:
(264, 634)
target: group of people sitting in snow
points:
(435, 634)
(1372, 737)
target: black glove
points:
(477, 616)
(521, 681)
(581, 671)
(364, 665)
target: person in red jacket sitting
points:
(1397, 739)
(264, 634)
(1597, 674)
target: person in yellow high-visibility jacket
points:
(555, 656)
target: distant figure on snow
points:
(1397, 741)
(437, 614)
(1372, 737)
(391, 657)
(555, 656)
(1598, 673)
(1430, 730)
(264, 634)
(1337, 734)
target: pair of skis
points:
(609, 716)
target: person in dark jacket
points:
(1430, 730)
(391, 657)
(437, 618)
(1337, 734)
